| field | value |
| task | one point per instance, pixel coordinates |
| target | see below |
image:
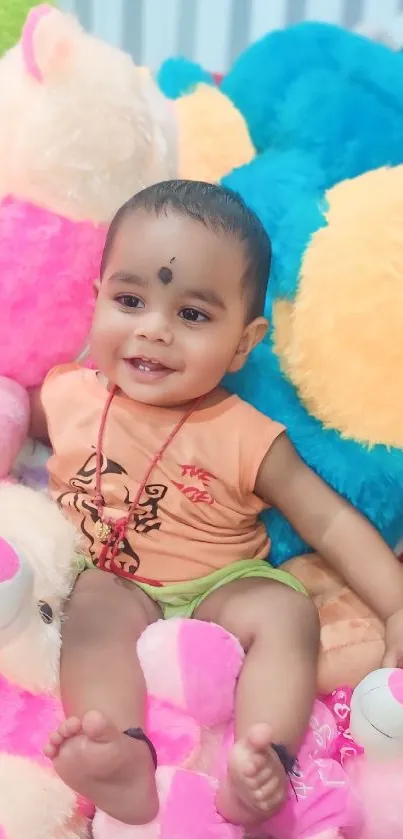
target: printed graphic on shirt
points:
(145, 519)
(196, 492)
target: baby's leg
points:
(103, 694)
(279, 631)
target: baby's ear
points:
(252, 335)
(96, 286)
(47, 42)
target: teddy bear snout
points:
(16, 585)
(9, 561)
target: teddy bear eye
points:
(45, 611)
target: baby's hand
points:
(394, 641)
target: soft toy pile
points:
(329, 93)
(65, 169)
(325, 112)
(190, 712)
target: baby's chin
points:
(168, 391)
(152, 395)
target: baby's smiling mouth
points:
(148, 368)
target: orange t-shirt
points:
(198, 512)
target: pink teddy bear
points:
(190, 721)
(82, 129)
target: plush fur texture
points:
(345, 358)
(351, 635)
(284, 189)
(325, 91)
(47, 263)
(329, 367)
(178, 76)
(380, 785)
(14, 421)
(18, 711)
(35, 803)
(212, 135)
(87, 129)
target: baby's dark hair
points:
(218, 208)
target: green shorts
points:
(182, 599)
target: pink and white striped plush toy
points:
(82, 129)
(191, 669)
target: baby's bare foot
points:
(109, 768)
(256, 783)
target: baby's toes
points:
(70, 727)
(261, 779)
(254, 765)
(51, 749)
(271, 796)
(56, 739)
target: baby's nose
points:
(156, 328)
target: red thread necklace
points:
(112, 532)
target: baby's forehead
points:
(174, 223)
(170, 235)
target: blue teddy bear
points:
(317, 88)
(331, 365)
(324, 105)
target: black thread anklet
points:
(138, 734)
(287, 760)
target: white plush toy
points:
(376, 720)
(36, 576)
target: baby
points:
(165, 475)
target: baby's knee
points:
(280, 609)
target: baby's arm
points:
(343, 537)
(38, 426)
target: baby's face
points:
(170, 318)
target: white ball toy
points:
(376, 721)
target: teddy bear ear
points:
(47, 41)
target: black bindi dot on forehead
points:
(165, 275)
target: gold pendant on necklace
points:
(102, 530)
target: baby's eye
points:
(130, 301)
(193, 315)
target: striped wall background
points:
(212, 32)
